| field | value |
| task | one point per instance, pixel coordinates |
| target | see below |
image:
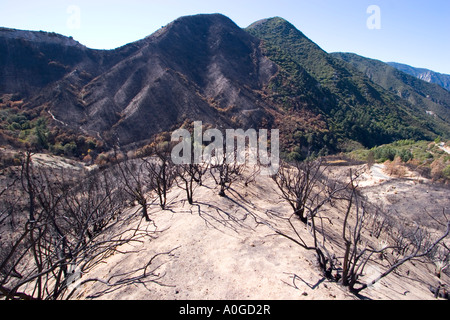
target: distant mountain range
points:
(54, 90)
(422, 94)
(424, 74)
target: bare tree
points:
(308, 190)
(297, 182)
(136, 182)
(8, 199)
(441, 259)
(225, 172)
(66, 222)
(359, 216)
(250, 177)
(190, 176)
(409, 244)
(161, 171)
(422, 248)
(356, 258)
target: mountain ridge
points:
(203, 68)
(424, 74)
(123, 79)
(354, 104)
(428, 96)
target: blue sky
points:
(411, 31)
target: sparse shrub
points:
(446, 172)
(384, 154)
(370, 159)
(102, 159)
(294, 156)
(405, 155)
(70, 148)
(437, 169)
(91, 144)
(395, 168)
(14, 126)
(57, 149)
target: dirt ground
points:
(226, 249)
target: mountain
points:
(427, 96)
(194, 68)
(354, 106)
(424, 74)
(59, 95)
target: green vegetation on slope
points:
(354, 108)
(27, 129)
(420, 95)
(443, 80)
(423, 156)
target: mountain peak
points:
(192, 32)
(198, 23)
(206, 17)
(279, 26)
(278, 20)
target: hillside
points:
(95, 242)
(93, 207)
(427, 96)
(430, 76)
(195, 68)
(227, 248)
(354, 106)
(60, 96)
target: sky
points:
(414, 32)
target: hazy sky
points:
(414, 32)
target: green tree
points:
(70, 149)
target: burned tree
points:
(225, 171)
(297, 182)
(66, 223)
(190, 176)
(136, 182)
(359, 238)
(409, 244)
(161, 171)
(306, 188)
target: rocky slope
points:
(201, 68)
(194, 68)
